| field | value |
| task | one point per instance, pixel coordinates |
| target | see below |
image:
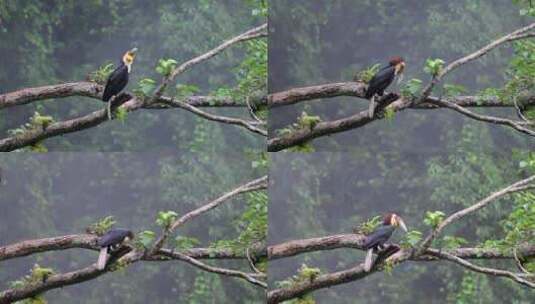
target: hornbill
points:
(111, 240)
(377, 239)
(382, 79)
(118, 79)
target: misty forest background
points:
(415, 162)
(51, 42)
(193, 160)
(55, 194)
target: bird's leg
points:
(371, 108)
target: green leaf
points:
(121, 114)
(452, 242)
(434, 66)
(369, 226)
(101, 226)
(434, 218)
(166, 66)
(411, 238)
(145, 87)
(166, 218)
(454, 90)
(186, 90)
(145, 238)
(182, 242)
(411, 88)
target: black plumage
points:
(376, 240)
(110, 241)
(380, 81)
(117, 81)
(378, 237)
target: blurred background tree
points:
(55, 194)
(50, 42)
(414, 162)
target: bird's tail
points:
(369, 260)
(102, 258)
(109, 109)
(371, 108)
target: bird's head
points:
(392, 219)
(129, 236)
(398, 63)
(128, 58)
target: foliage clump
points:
(101, 75)
(166, 218)
(434, 66)
(101, 226)
(144, 239)
(166, 66)
(368, 226)
(367, 74)
(37, 122)
(434, 218)
(37, 275)
(411, 239)
(252, 226)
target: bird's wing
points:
(378, 237)
(380, 81)
(116, 82)
(112, 237)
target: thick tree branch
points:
(52, 282)
(301, 136)
(358, 89)
(357, 272)
(25, 96)
(158, 253)
(298, 137)
(94, 91)
(29, 247)
(31, 137)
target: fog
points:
(63, 193)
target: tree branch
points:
(250, 277)
(257, 184)
(94, 90)
(254, 33)
(158, 253)
(517, 125)
(521, 185)
(517, 277)
(249, 125)
(521, 33)
(29, 247)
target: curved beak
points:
(399, 71)
(402, 224)
(133, 51)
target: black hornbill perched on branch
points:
(111, 240)
(382, 79)
(118, 79)
(377, 239)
